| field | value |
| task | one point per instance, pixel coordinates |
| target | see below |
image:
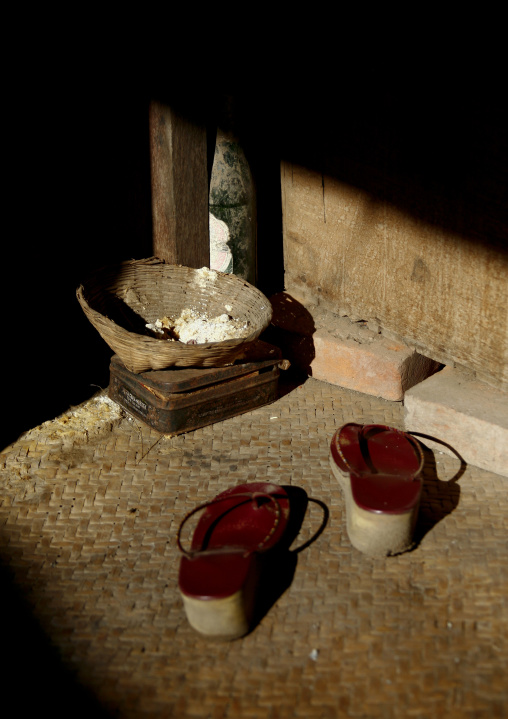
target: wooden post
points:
(178, 157)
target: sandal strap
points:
(363, 431)
(229, 550)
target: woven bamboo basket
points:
(120, 300)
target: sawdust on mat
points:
(28, 466)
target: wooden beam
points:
(179, 179)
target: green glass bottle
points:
(232, 200)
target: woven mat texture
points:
(90, 506)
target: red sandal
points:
(219, 575)
(380, 471)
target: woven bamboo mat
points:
(90, 505)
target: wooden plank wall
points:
(367, 258)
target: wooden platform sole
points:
(226, 619)
(373, 533)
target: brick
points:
(469, 415)
(382, 368)
(346, 353)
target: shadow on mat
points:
(35, 675)
(279, 565)
(291, 379)
(439, 497)
(291, 330)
